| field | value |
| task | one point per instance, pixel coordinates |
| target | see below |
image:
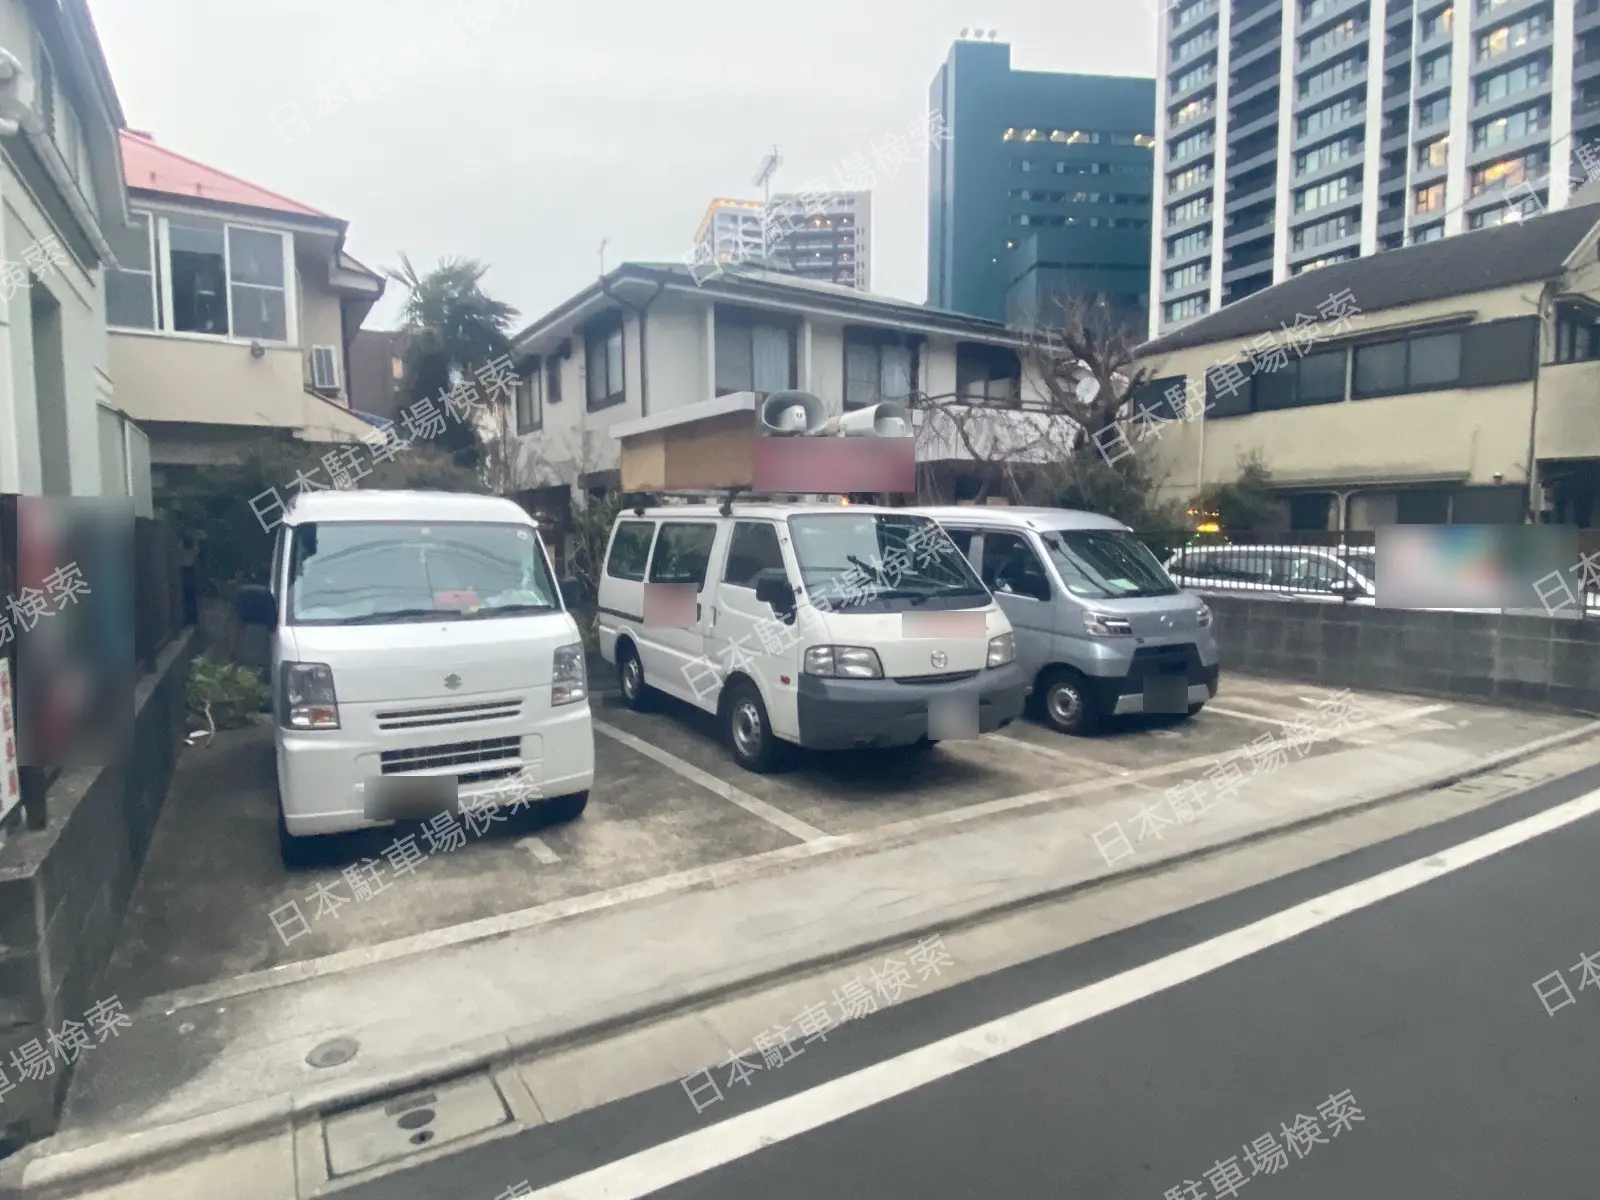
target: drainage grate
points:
(333, 1054)
(387, 1130)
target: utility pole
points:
(604, 242)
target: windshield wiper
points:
(865, 566)
(403, 614)
(495, 610)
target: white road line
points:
(717, 1145)
(540, 849)
(759, 808)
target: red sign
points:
(834, 465)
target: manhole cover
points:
(333, 1054)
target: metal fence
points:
(1336, 565)
(158, 613)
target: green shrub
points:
(235, 694)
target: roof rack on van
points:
(724, 497)
(639, 501)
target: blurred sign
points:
(10, 785)
(1471, 566)
(834, 465)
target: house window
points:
(878, 366)
(752, 354)
(131, 296)
(1388, 368)
(552, 379)
(255, 277)
(988, 373)
(530, 413)
(602, 347)
(1577, 337)
(191, 275)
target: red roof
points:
(157, 169)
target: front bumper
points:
(845, 714)
(323, 775)
(1125, 694)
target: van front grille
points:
(505, 750)
(436, 715)
(950, 677)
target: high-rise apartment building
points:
(1296, 133)
(816, 235)
(1040, 187)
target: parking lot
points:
(214, 904)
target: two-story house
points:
(231, 312)
(648, 338)
(62, 202)
(1450, 382)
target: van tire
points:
(567, 808)
(636, 693)
(749, 732)
(1067, 704)
(298, 853)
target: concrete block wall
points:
(64, 889)
(1524, 661)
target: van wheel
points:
(567, 808)
(297, 853)
(1066, 703)
(749, 732)
(630, 680)
(1194, 708)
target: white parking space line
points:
(751, 805)
(660, 1166)
(1055, 754)
(540, 849)
(1247, 716)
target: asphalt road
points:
(1420, 1011)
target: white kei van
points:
(423, 660)
(827, 626)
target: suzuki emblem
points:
(938, 658)
(452, 682)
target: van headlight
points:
(843, 662)
(1202, 619)
(1105, 625)
(569, 678)
(306, 696)
(1002, 650)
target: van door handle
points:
(697, 610)
(713, 623)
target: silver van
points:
(1101, 628)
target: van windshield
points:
(882, 562)
(374, 573)
(1106, 564)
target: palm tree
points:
(455, 328)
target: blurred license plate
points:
(390, 798)
(1166, 693)
(952, 718)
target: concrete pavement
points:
(229, 1056)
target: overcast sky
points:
(564, 124)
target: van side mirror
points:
(256, 605)
(773, 588)
(572, 591)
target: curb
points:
(195, 1137)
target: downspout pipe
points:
(1545, 294)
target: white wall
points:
(83, 351)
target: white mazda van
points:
(827, 626)
(423, 661)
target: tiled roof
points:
(155, 168)
(1482, 260)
